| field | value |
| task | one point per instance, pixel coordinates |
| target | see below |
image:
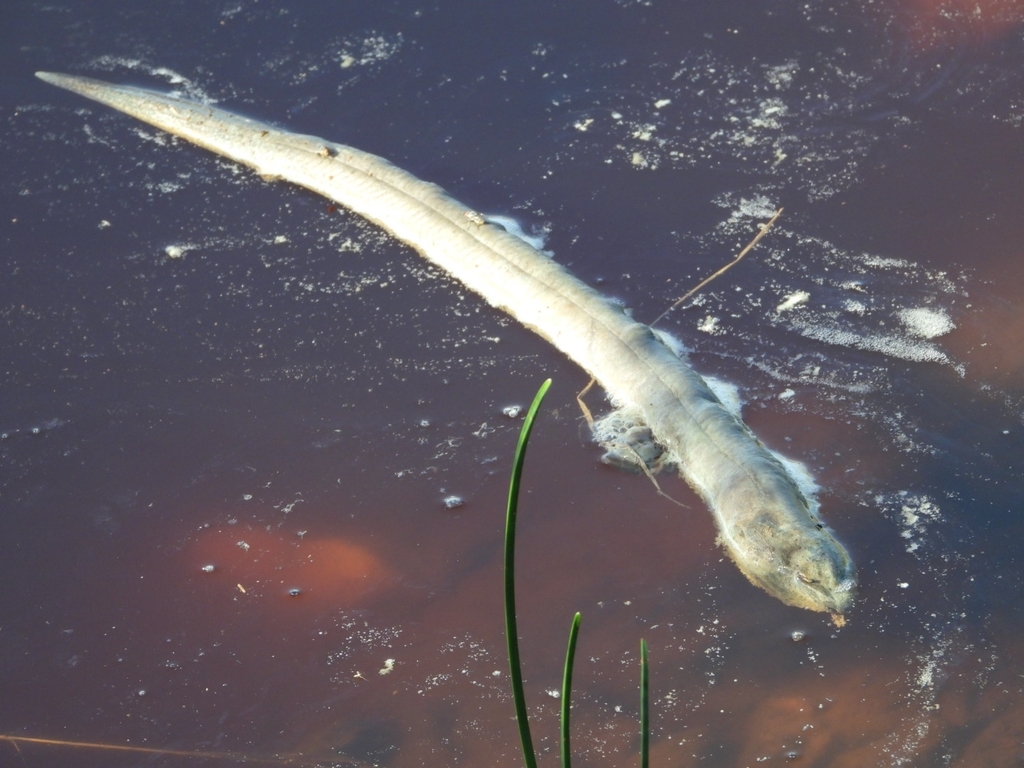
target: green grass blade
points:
(645, 731)
(511, 632)
(570, 656)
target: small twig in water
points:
(705, 281)
(650, 475)
(583, 406)
(236, 757)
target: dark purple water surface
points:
(199, 368)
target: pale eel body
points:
(764, 521)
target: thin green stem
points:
(570, 655)
(645, 731)
(511, 632)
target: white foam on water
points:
(795, 299)
(363, 50)
(927, 322)
(673, 342)
(183, 86)
(804, 479)
(513, 227)
(890, 344)
(728, 393)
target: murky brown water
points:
(232, 416)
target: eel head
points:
(803, 566)
(821, 576)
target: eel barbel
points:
(764, 521)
